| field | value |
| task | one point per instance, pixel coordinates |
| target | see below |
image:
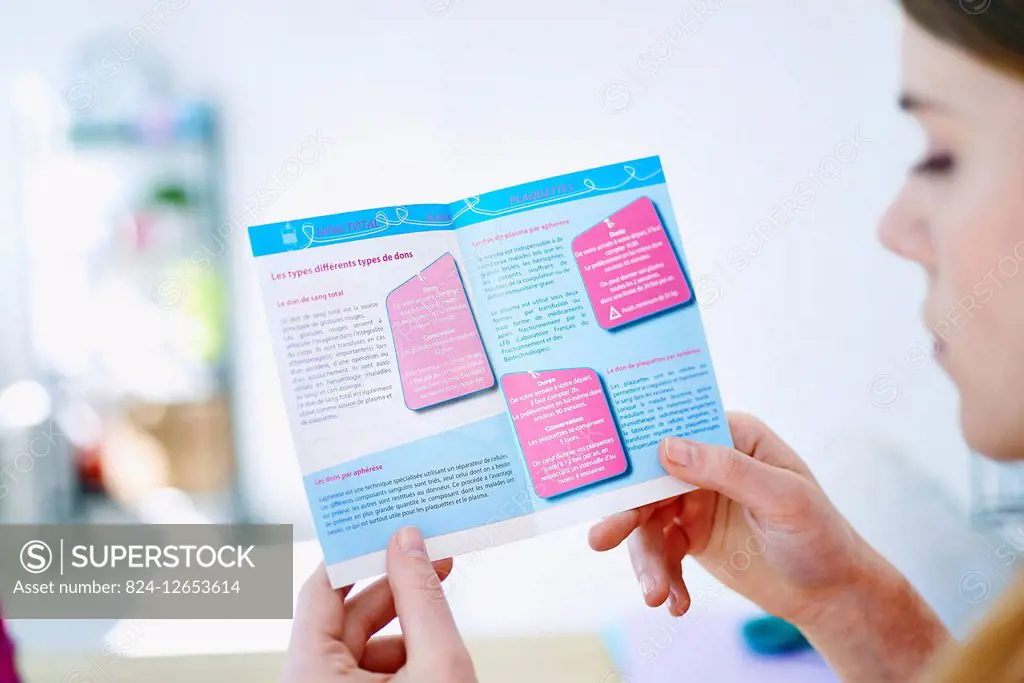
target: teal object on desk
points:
(773, 636)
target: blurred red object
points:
(8, 673)
(89, 466)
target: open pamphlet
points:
(489, 369)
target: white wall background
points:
(437, 100)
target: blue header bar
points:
(275, 238)
(305, 233)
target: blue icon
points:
(288, 235)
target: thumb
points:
(426, 618)
(754, 484)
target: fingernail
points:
(675, 605)
(410, 542)
(647, 584)
(680, 451)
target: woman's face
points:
(960, 215)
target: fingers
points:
(368, 612)
(320, 609)
(610, 532)
(385, 655)
(373, 608)
(677, 545)
(753, 437)
(647, 554)
(656, 550)
(750, 482)
(613, 530)
(427, 622)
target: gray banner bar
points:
(166, 571)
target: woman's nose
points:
(904, 230)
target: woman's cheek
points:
(986, 269)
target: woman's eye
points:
(935, 164)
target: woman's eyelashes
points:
(938, 163)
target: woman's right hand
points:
(762, 525)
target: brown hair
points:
(993, 31)
(994, 653)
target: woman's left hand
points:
(332, 637)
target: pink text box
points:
(440, 353)
(628, 266)
(565, 428)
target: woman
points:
(961, 217)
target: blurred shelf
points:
(122, 315)
(189, 126)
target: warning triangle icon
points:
(613, 313)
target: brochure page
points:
(490, 368)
